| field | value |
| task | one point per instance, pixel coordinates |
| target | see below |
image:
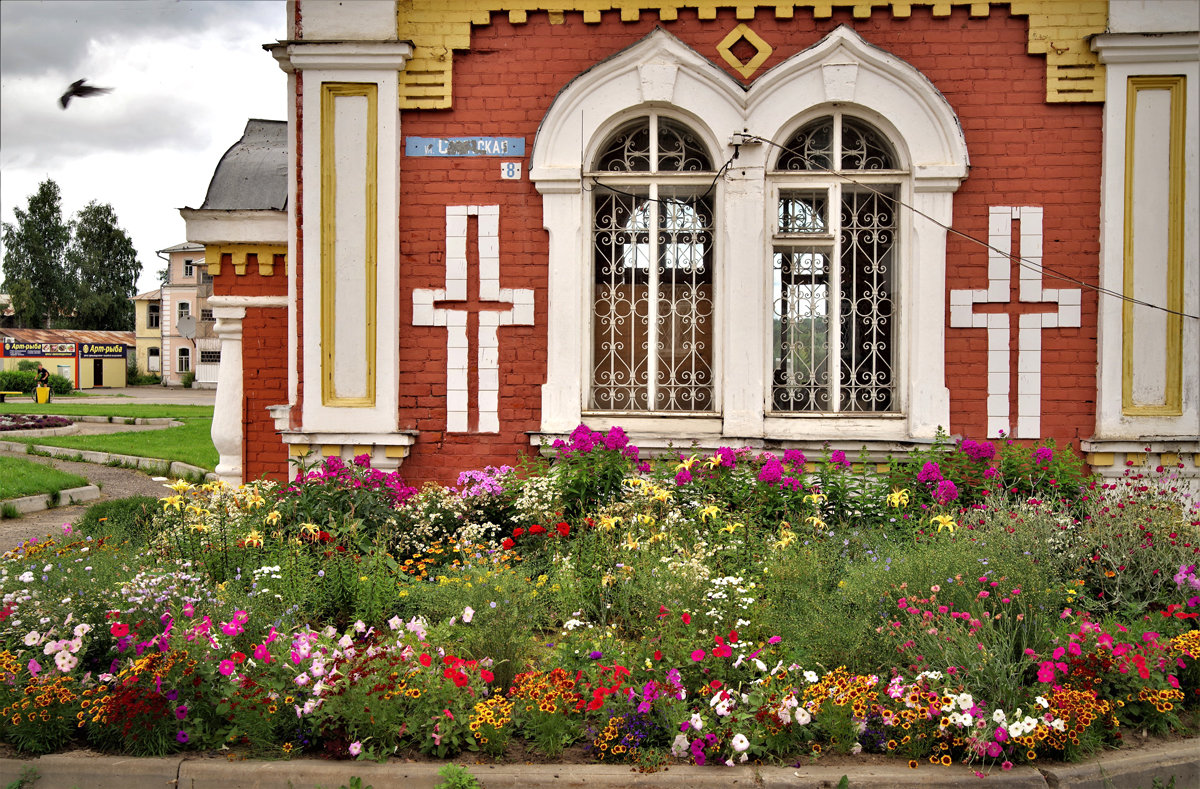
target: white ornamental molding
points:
(452, 305)
(1001, 260)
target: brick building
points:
(777, 225)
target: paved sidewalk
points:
(1136, 768)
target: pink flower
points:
(355, 748)
(698, 655)
(774, 640)
(34, 667)
(225, 667)
(1006, 766)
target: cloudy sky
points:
(185, 74)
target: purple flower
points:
(978, 450)
(683, 477)
(595, 654)
(1043, 455)
(615, 438)
(838, 458)
(772, 471)
(363, 460)
(794, 458)
(727, 456)
(930, 473)
(946, 492)
(181, 736)
(181, 712)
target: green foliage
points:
(121, 519)
(25, 380)
(35, 270)
(29, 776)
(191, 443)
(455, 776)
(187, 379)
(104, 268)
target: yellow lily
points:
(311, 529)
(273, 517)
(709, 512)
(687, 464)
(786, 538)
(179, 485)
(944, 522)
(173, 501)
(898, 498)
(608, 522)
(253, 539)
(815, 521)
(815, 498)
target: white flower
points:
(856, 749)
(65, 661)
(696, 721)
(739, 742)
(1059, 724)
(82, 629)
(346, 641)
(998, 716)
(468, 614)
(26, 577)
(679, 748)
(1042, 701)
(964, 701)
(395, 623)
(803, 717)
(360, 627)
(32, 638)
(811, 677)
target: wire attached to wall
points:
(1033, 266)
(692, 201)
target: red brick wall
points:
(227, 283)
(1023, 151)
(264, 371)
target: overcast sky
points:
(185, 74)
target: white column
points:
(227, 411)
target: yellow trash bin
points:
(41, 394)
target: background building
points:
(147, 329)
(88, 359)
(189, 342)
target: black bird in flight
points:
(82, 91)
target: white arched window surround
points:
(841, 72)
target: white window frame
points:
(183, 310)
(153, 316)
(840, 71)
(189, 268)
(183, 360)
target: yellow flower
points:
(254, 539)
(631, 543)
(646, 519)
(714, 461)
(730, 527)
(192, 509)
(607, 522)
(944, 522)
(173, 501)
(687, 464)
(898, 498)
(273, 517)
(786, 538)
(311, 529)
(661, 494)
(815, 521)
(179, 485)
(815, 498)
(709, 512)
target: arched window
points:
(834, 252)
(652, 284)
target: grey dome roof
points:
(252, 175)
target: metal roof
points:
(186, 246)
(150, 295)
(70, 335)
(252, 175)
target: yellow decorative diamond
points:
(762, 49)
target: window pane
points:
(684, 310)
(868, 234)
(620, 307)
(800, 376)
(864, 148)
(628, 150)
(679, 150)
(804, 212)
(811, 148)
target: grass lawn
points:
(122, 410)
(191, 443)
(26, 478)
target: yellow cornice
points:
(1058, 29)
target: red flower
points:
(425, 660)
(487, 675)
(563, 529)
(517, 532)
(537, 529)
(658, 654)
(733, 636)
(687, 618)
(118, 630)
(507, 544)
(238, 657)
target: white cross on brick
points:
(1029, 325)
(427, 313)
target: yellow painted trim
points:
(1135, 459)
(1060, 30)
(1101, 459)
(361, 449)
(762, 50)
(331, 450)
(298, 450)
(240, 253)
(1173, 405)
(396, 452)
(1169, 459)
(330, 93)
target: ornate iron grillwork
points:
(652, 321)
(833, 323)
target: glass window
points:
(153, 316)
(206, 315)
(652, 285)
(185, 360)
(189, 269)
(184, 309)
(210, 357)
(834, 247)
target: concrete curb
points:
(66, 497)
(155, 466)
(88, 770)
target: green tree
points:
(104, 268)
(35, 269)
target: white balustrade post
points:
(227, 413)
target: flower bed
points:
(31, 422)
(975, 604)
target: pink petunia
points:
(698, 655)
